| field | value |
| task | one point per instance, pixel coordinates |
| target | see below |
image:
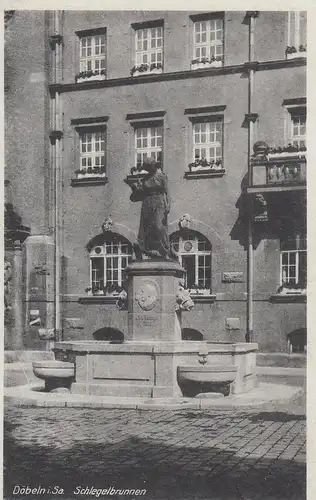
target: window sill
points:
(202, 299)
(148, 72)
(98, 299)
(204, 173)
(95, 78)
(89, 181)
(201, 65)
(296, 55)
(288, 298)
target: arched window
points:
(108, 260)
(194, 253)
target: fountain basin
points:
(57, 374)
(196, 379)
(207, 373)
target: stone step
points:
(281, 359)
(282, 375)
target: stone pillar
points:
(13, 336)
(152, 289)
(17, 340)
(39, 277)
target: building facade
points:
(218, 99)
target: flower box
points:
(93, 78)
(155, 71)
(199, 168)
(208, 64)
(295, 55)
(292, 291)
(284, 154)
(195, 292)
(90, 175)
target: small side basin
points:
(58, 375)
(53, 369)
(194, 379)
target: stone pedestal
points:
(152, 290)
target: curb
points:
(29, 395)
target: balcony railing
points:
(278, 170)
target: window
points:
(296, 35)
(107, 262)
(194, 252)
(295, 122)
(149, 45)
(148, 144)
(293, 266)
(148, 48)
(92, 152)
(298, 129)
(207, 141)
(92, 54)
(208, 35)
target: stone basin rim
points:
(207, 368)
(53, 363)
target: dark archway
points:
(109, 334)
(191, 334)
(297, 340)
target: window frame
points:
(295, 47)
(144, 120)
(99, 74)
(208, 145)
(154, 152)
(205, 61)
(104, 256)
(292, 111)
(300, 139)
(188, 236)
(299, 242)
(85, 174)
(153, 67)
(88, 125)
(200, 115)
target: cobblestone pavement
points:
(178, 455)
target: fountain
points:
(153, 361)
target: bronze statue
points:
(152, 190)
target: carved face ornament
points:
(185, 221)
(147, 296)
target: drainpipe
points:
(57, 240)
(57, 162)
(249, 333)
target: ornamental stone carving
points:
(107, 225)
(183, 300)
(185, 221)
(147, 295)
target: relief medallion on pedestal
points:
(147, 295)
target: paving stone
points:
(166, 450)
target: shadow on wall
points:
(191, 334)
(110, 335)
(297, 340)
(239, 230)
(271, 215)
